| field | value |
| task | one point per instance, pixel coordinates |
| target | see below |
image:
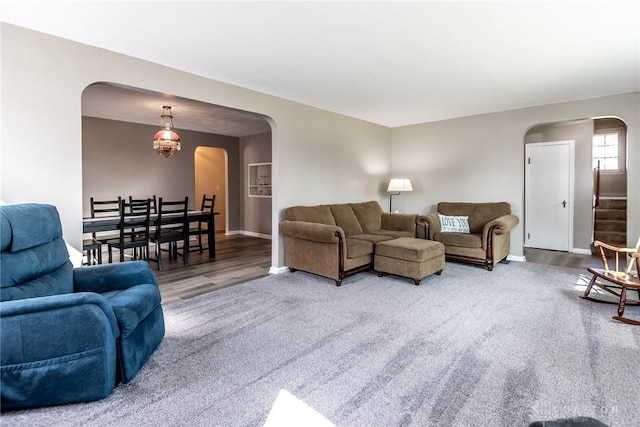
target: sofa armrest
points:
(399, 222)
(112, 277)
(322, 233)
(502, 224)
(432, 224)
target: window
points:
(606, 149)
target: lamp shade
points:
(399, 184)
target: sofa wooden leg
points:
(293, 270)
(489, 264)
(416, 282)
(339, 282)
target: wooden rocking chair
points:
(617, 282)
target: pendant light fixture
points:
(166, 141)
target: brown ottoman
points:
(409, 257)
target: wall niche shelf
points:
(259, 179)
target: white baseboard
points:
(278, 270)
(260, 235)
(248, 233)
(517, 258)
(581, 251)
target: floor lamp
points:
(396, 186)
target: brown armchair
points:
(487, 239)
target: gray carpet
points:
(468, 348)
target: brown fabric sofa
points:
(488, 240)
(338, 240)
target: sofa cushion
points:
(392, 233)
(466, 240)
(369, 215)
(373, 238)
(346, 219)
(485, 212)
(358, 248)
(317, 214)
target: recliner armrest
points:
(55, 305)
(112, 277)
(57, 349)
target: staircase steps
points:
(613, 203)
(611, 214)
(610, 224)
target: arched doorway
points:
(582, 131)
(210, 176)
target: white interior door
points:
(549, 195)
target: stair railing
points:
(596, 203)
(597, 185)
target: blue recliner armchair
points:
(68, 335)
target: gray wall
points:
(481, 158)
(318, 156)
(118, 160)
(257, 210)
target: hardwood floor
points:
(238, 259)
(561, 259)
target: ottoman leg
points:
(416, 282)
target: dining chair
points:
(171, 227)
(153, 203)
(93, 245)
(202, 227)
(135, 206)
(134, 230)
(93, 250)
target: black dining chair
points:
(202, 227)
(93, 245)
(135, 207)
(153, 204)
(134, 231)
(171, 227)
(93, 251)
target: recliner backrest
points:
(34, 261)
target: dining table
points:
(112, 222)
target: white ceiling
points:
(392, 63)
